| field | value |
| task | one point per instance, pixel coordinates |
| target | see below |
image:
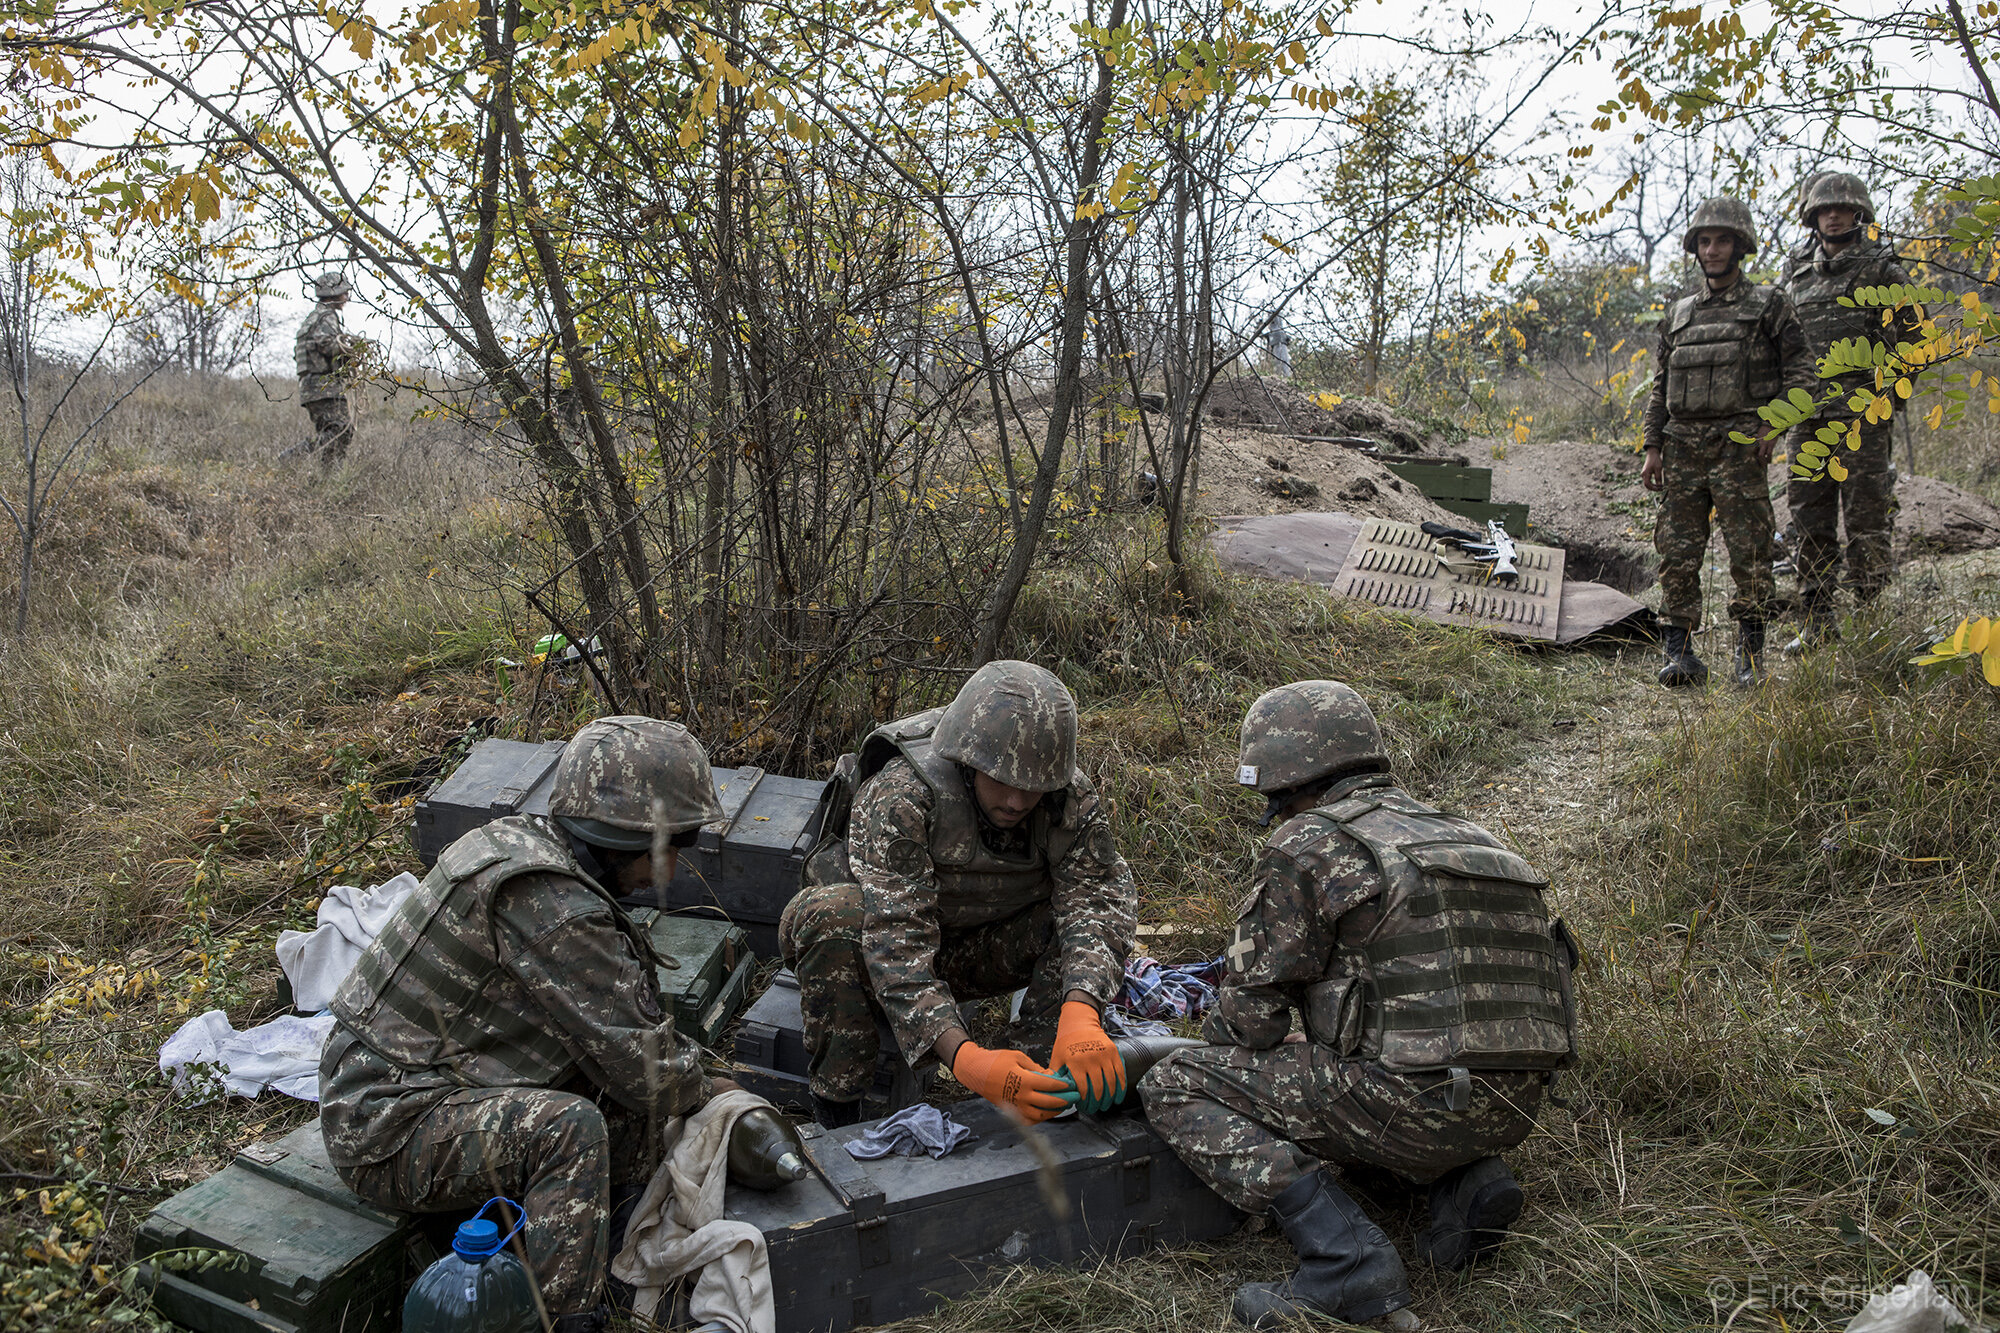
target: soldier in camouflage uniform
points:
(322, 353)
(1726, 349)
(1435, 993)
(977, 860)
(1835, 260)
(504, 1034)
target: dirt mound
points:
(1251, 472)
(1587, 498)
(1275, 405)
(1938, 518)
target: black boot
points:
(590, 1321)
(1471, 1210)
(1815, 625)
(1749, 652)
(834, 1115)
(1348, 1270)
(1682, 666)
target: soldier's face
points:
(638, 872)
(1836, 220)
(1715, 251)
(1006, 806)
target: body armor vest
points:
(430, 994)
(975, 884)
(1720, 363)
(1459, 963)
(1817, 285)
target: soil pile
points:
(1252, 472)
(1587, 498)
(1276, 405)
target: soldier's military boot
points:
(835, 1115)
(1347, 1268)
(1471, 1210)
(1815, 627)
(590, 1321)
(1682, 666)
(1749, 652)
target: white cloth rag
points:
(678, 1227)
(207, 1056)
(316, 961)
(1916, 1306)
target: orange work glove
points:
(1089, 1056)
(1010, 1078)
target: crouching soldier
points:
(977, 861)
(1435, 992)
(504, 1034)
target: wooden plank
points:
(1441, 481)
(1513, 516)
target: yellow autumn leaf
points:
(1989, 665)
(1903, 388)
(1935, 417)
(1835, 470)
(1978, 635)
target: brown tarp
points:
(1311, 548)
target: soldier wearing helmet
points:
(323, 354)
(1434, 992)
(504, 1033)
(977, 860)
(1726, 349)
(1837, 258)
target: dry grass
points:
(1772, 955)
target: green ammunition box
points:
(316, 1259)
(708, 973)
(1444, 481)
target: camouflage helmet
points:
(1835, 187)
(1014, 722)
(1301, 732)
(332, 285)
(1726, 211)
(614, 774)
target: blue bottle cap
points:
(476, 1239)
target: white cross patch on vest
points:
(1242, 948)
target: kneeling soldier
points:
(978, 860)
(504, 1034)
(1435, 991)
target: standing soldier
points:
(1726, 349)
(323, 353)
(1435, 992)
(978, 860)
(1834, 260)
(504, 1034)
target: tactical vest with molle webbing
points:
(1720, 362)
(1459, 966)
(430, 993)
(1817, 286)
(976, 886)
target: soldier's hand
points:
(1011, 1078)
(1088, 1056)
(1765, 448)
(1653, 472)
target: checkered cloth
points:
(1155, 992)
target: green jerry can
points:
(316, 1259)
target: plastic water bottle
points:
(480, 1287)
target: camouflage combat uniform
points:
(320, 354)
(1420, 992)
(1722, 355)
(926, 903)
(1816, 283)
(504, 1034)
